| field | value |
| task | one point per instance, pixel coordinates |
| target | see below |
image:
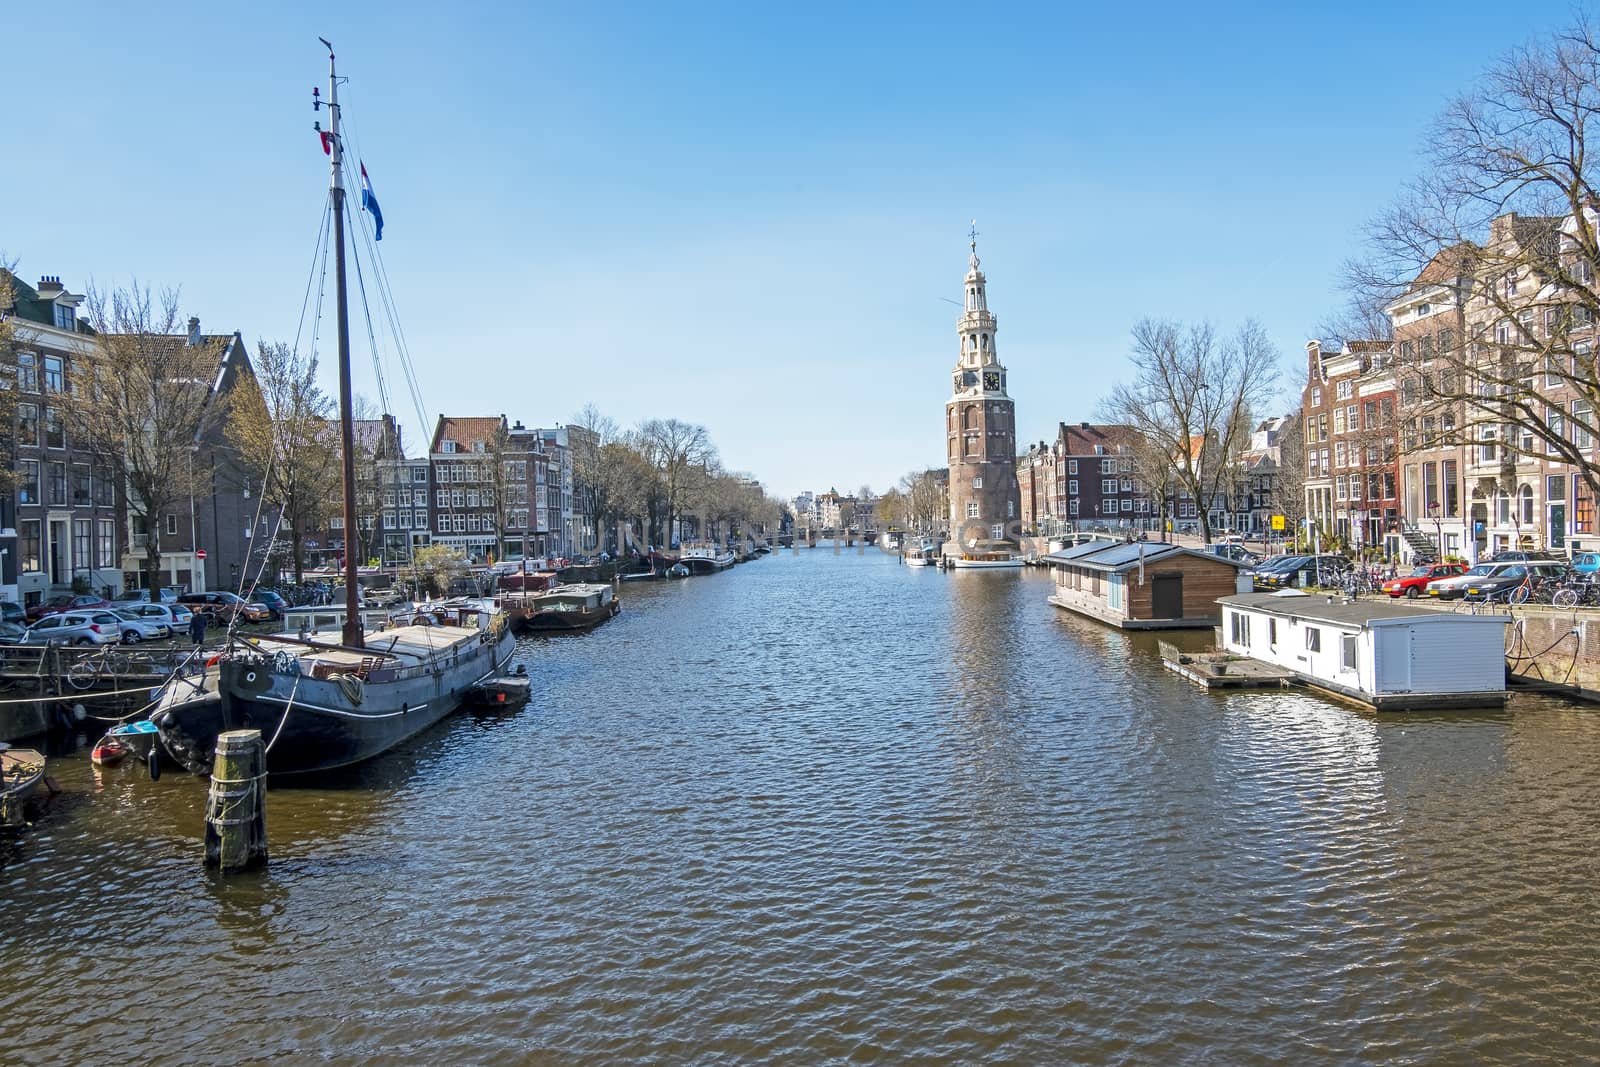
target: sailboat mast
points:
(353, 630)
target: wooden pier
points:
(1224, 670)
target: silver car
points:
(136, 628)
(76, 628)
(175, 617)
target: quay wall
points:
(19, 721)
(1555, 646)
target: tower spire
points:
(972, 236)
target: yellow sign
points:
(1278, 522)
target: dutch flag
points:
(369, 203)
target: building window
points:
(459, 523)
(172, 525)
(1345, 390)
(106, 551)
(419, 474)
(1241, 628)
(1072, 466)
(52, 374)
(27, 424)
(972, 509)
(443, 523)
(28, 481)
(1072, 508)
(997, 531)
(1072, 487)
(1108, 466)
(447, 446)
(81, 485)
(977, 481)
(1272, 632)
(1313, 639)
(1347, 652)
(57, 489)
(27, 373)
(1011, 509)
(1525, 497)
(28, 545)
(1127, 505)
(1316, 396)
(80, 544)
(55, 435)
(442, 498)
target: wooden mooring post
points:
(236, 810)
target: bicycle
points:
(87, 670)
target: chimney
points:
(194, 330)
(1085, 426)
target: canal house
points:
(1142, 585)
(1389, 655)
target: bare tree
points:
(681, 454)
(1289, 482)
(600, 470)
(1191, 399)
(280, 423)
(1502, 227)
(142, 402)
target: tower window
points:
(977, 481)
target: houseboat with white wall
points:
(1392, 656)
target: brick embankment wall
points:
(1556, 645)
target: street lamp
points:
(1438, 528)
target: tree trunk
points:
(152, 564)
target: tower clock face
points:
(991, 381)
(957, 382)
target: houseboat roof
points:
(1119, 556)
(1338, 612)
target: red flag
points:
(327, 142)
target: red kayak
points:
(108, 752)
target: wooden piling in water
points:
(236, 809)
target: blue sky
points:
(741, 215)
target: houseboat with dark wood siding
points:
(581, 606)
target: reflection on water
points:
(826, 807)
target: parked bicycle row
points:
(1515, 577)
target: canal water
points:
(826, 808)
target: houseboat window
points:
(1313, 639)
(1347, 652)
(1272, 631)
(1241, 628)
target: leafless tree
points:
(682, 455)
(142, 402)
(1191, 399)
(1502, 226)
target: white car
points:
(136, 628)
(1456, 588)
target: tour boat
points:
(705, 557)
(986, 555)
(924, 554)
(323, 703)
(581, 606)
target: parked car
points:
(12, 612)
(1500, 584)
(65, 602)
(1412, 585)
(175, 617)
(224, 607)
(169, 595)
(1585, 563)
(1267, 576)
(76, 628)
(136, 628)
(271, 601)
(1236, 551)
(12, 633)
(1517, 555)
(1455, 588)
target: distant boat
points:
(581, 606)
(987, 555)
(677, 570)
(705, 557)
(925, 553)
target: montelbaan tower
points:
(980, 425)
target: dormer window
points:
(447, 446)
(477, 446)
(65, 319)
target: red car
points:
(65, 602)
(1415, 584)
